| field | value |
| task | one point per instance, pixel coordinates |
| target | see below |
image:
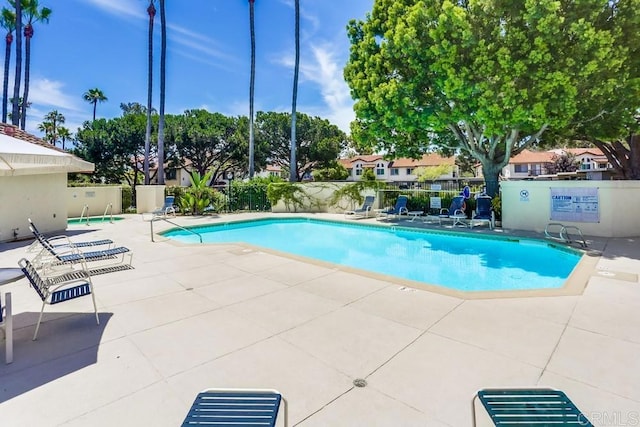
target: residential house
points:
(528, 164)
(400, 170)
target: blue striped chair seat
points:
(70, 293)
(535, 406)
(235, 408)
(92, 255)
(61, 288)
(103, 242)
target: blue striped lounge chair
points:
(399, 209)
(510, 407)
(58, 289)
(237, 407)
(64, 241)
(483, 212)
(455, 212)
(70, 254)
(167, 209)
(362, 212)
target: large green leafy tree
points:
(115, 146)
(209, 142)
(496, 74)
(318, 142)
(608, 115)
(33, 14)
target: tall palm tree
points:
(51, 125)
(163, 62)
(33, 15)
(15, 110)
(64, 134)
(252, 85)
(8, 22)
(151, 10)
(94, 96)
(293, 166)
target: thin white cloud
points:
(197, 42)
(45, 92)
(122, 8)
(324, 71)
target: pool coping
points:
(574, 284)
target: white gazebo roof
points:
(19, 157)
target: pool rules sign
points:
(575, 204)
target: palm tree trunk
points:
(151, 10)
(163, 62)
(15, 111)
(251, 87)
(95, 105)
(293, 165)
(28, 33)
(5, 82)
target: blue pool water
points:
(453, 260)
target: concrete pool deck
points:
(198, 316)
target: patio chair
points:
(68, 253)
(455, 212)
(61, 241)
(6, 324)
(529, 406)
(362, 212)
(57, 289)
(483, 212)
(237, 407)
(399, 209)
(167, 209)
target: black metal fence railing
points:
(238, 197)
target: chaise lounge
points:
(236, 407)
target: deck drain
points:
(359, 382)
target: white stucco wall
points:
(96, 198)
(618, 202)
(39, 197)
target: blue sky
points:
(103, 44)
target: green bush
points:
(127, 198)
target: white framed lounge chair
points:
(400, 208)
(237, 407)
(455, 212)
(168, 209)
(362, 212)
(57, 289)
(483, 212)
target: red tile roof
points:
(16, 132)
(431, 159)
(528, 156)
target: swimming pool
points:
(454, 260)
(94, 219)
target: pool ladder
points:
(85, 210)
(175, 225)
(563, 233)
(109, 209)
